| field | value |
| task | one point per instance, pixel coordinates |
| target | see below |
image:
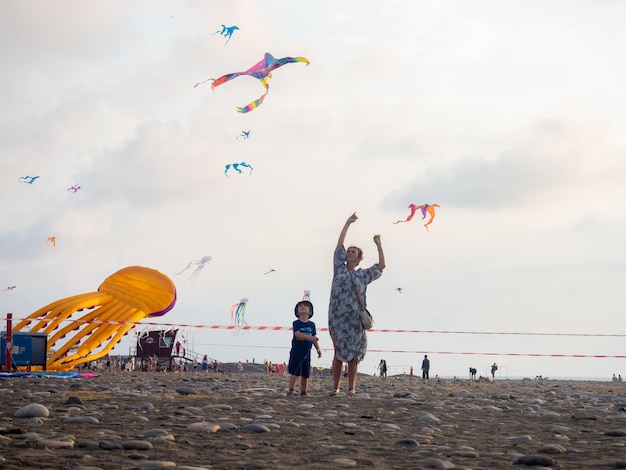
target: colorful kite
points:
(27, 179)
(73, 189)
(201, 263)
(244, 134)
(306, 295)
(425, 208)
(262, 70)
(235, 166)
(52, 241)
(238, 313)
(431, 212)
(227, 32)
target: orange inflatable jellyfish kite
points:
(122, 300)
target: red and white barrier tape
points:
(289, 328)
(451, 353)
(386, 330)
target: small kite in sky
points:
(9, 288)
(426, 209)
(235, 166)
(27, 179)
(200, 263)
(270, 270)
(227, 32)
(306, 295)
(399, 289)
(431, 212)
(262, 70)
(414, 208)
(238, 312)
(73, 189)
(244, 134)
(52, 241)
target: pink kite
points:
(425, 208)
(262, 70)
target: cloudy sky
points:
(509, 115)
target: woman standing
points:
(344, 313)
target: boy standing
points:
(304, 336)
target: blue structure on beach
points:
(29, 349)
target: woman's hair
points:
(359, 251)
(304, 302)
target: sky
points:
(509, 115)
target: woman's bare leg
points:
(337, 366)
(353, 367)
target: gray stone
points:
(256, 428)
(406, 443)
(34, 410)
(535, 459)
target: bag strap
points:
(356, 292)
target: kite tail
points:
(200, 83)
(255, 104)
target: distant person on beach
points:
(425, 367)
(472, 371)
(304, 337)
(494, 368)
(382, 367)
(347, 292)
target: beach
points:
(149, 420)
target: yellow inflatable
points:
(123, 299)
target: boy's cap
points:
(304, 302)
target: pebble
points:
(256, 428)
(535, 459)
(406, 443)
(54, 444)
(156, 464)
(34, 410)
(137, 445)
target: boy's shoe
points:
(303, 393)
(290, 392)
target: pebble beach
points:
(148, 420)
